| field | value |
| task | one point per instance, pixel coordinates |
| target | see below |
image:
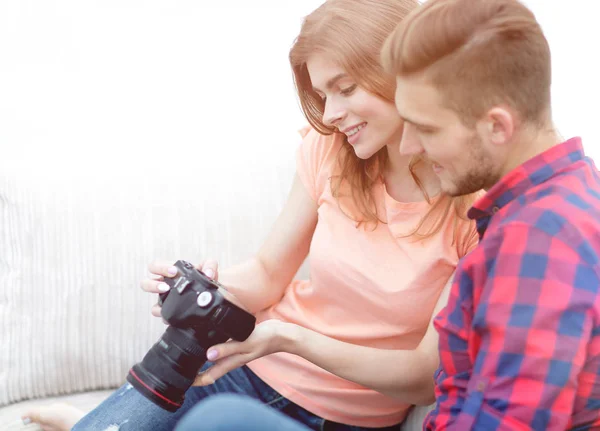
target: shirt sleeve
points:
(315, 159)
(533, 318)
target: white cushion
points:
(75, 247)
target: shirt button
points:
(495, 210)
(480, 386)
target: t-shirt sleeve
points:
(315, 160)
(470, 239)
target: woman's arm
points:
(403, 374)
(261, 281)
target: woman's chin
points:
(363, 153)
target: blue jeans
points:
(127, 410)
(230, 412)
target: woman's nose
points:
(333, 114)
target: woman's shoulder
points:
(312, 137)
(318, 150)
(316, 158)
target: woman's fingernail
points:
(26, 421)
(172, 270)
(211, 355)
(209, 273)
(163, 287)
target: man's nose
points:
(410, 144)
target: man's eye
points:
(348, 90)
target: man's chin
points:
(454, 190)
(448, 188)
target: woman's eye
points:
(348, 90)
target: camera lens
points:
(199, 318)
(171, 365)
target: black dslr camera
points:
(199, 317)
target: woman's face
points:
(369, 122)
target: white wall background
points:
(147, 88)
(572, 30)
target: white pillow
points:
(76, 243)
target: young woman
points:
(354, 345)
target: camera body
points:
(194, 300)
(199, 317)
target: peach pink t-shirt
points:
(368, 287)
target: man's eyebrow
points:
(333, 80)
(417, 123)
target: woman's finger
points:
(230, 348)
(210, 268)
(166, 269)
(156, 310)
(154, 286)
(222, 367)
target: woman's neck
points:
(399, 182)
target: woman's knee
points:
(221, 412)
(229, 412)
(125, 410)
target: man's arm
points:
(533, 314)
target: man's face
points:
(460, 156)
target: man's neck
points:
(529, 143)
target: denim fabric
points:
(127, 410)
(229, 412)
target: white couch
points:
(76, 243)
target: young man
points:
(520, 337)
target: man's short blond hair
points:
(478, 54)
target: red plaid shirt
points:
(520, 337)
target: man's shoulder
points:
(558, 209)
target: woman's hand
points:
(159, 270)
(270, 336)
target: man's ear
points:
(497, 126)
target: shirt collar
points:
(531, 173)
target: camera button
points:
(204, 299)
(181, 284)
